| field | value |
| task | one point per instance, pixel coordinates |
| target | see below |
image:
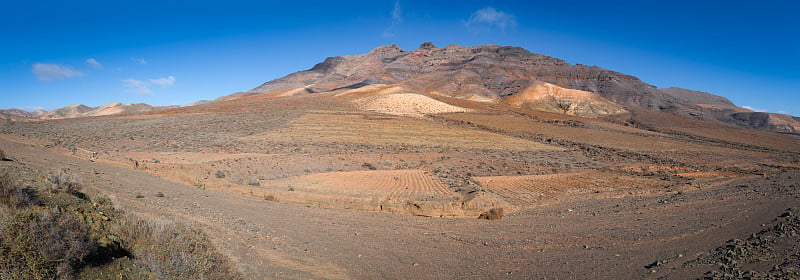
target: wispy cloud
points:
(163, 82)
(94, 63)
(489, 18)
(48, 72)
(751, 108)
(397, 18)
(145, 87)
(139, 60)
(136, 86)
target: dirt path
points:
(599, 239)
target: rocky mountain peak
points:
(386, 51)
(427, 46)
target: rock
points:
(655, 264)
(492, 214)
(427, 45)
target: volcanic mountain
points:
(513, 76)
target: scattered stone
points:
(493, 214)
(655, 264)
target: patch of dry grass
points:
(66, 232)
(387, 130)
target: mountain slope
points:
(697, 97)
(724, 110)
(487, 73)
(516, 77)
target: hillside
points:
(487, 73)
(697, 97)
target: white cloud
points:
(136, 86)
(397, 18)
(751, 108)
(145, 87)
(48, 72)
(163, 82)
(489, 17)
(93, 62)
(139, 60)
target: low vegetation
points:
(50, 230)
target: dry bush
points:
(493, 214)
(13, 196)
(48, 245)
(102, 200)
(63, 180)
(173, 250)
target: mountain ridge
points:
(485, 73)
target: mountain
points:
(513, 76)
(118, 108)
(724, 110)
(487, 73)
(19, 114)
(69, 111)
(78, 110)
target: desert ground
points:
(337, 186)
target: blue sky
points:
(56, 53)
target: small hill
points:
(78, 110)
(69, 111)
(118, 108)
(724, 110)
(768, 121)
(552, 98)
